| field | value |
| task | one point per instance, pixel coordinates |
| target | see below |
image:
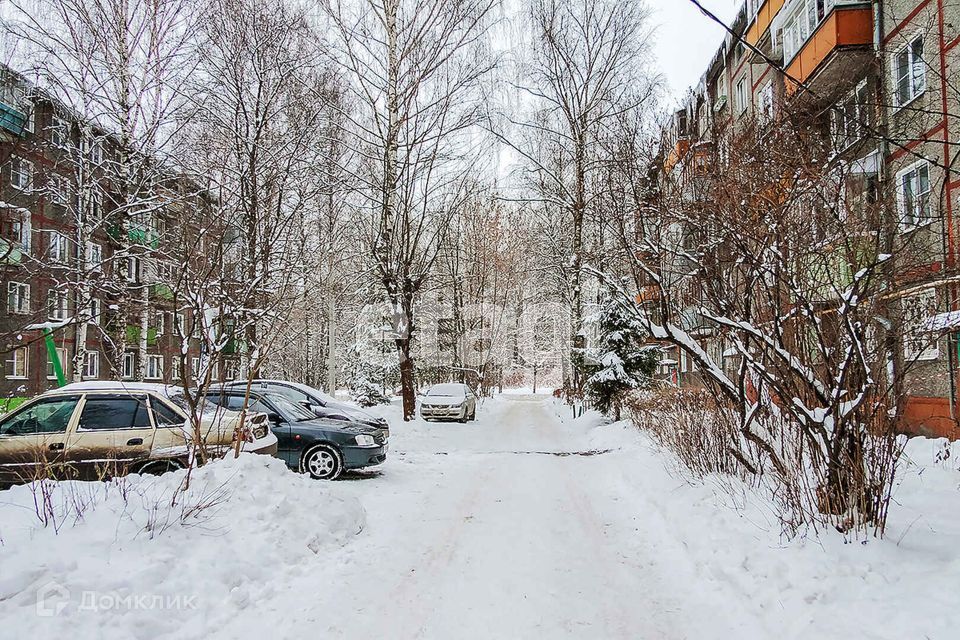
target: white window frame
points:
(91, 368)
(19, 359)
(30, 109)
(95, 150)
(21, 174)
(160, 322)
(916, 73)
(59, 247)
(154, 367)
(63, 355)
(22, 232)
(741, 93)
(175, 369)
(94, 257)
(58, 188)
(919, 344)
(58, 306)
(910, 220)
(128, 365)
(18, 298)
(765, 102)
(59, 131)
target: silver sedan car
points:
(447, 402)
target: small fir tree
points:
(622, 360)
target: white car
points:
(449, 401)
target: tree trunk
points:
(407, 386)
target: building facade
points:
(877, 80)
(88, 285)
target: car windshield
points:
(446, 390)
(290, 410)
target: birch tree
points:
(414, 70)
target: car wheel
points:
(473, 414)
(322, 462)
(159, 467)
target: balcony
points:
(837, 53)
(677, 153)
(765, 15)
(12, 119)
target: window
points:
(175, 368)
(95, 310)
(58, 190)
(919, 344)
(105, 413)
(909, 72)
(62, 356)
(194, 367)
(57, 305)
(131, 269)
(31, 122)
(154, 367)
(21, 174)
(59, 131)
(849, 118)
(50, 415)
(91, 368)
(129, 364)
(800, 26)
(96, 151)
(180, 323)
(741, 95)
(765, 101)
(17, 364)
(18, 298)
(59, 247)
(94, 256)
(913, 191)
(19, 231)
(159, 322)
(165, 416)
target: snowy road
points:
(481, 530)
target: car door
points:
(113, 431)
(33, 438)
(170, 439)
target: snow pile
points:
(723, 539)
(125, 557)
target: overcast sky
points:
(687, 39)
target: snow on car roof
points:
(446, 388)
(295, 385)
(108, 385)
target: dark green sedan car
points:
(308, 444)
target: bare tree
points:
(414, 71)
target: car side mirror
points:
(274, 418)
(314, 408)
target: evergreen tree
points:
(622, 360)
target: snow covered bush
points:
(689, 423)
(367, 393)
(621, 363)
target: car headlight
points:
(365, 441)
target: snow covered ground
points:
(523, 524)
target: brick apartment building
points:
(880, 78)
(56, 169)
